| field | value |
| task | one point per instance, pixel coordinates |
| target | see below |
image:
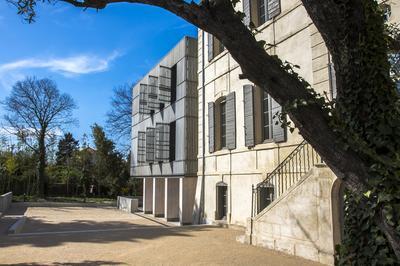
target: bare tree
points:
(36, 111)
(358, 135)
(119, 118)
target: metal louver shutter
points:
(273, 8)
(278, 132)
(211, 127)
(210, 47)
(230, 121)
(152, 93)
(247, 12)
(150, 136)
(143, 101)
(248, 91)
(164, 85)
(141, 149)
(162, 142)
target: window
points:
(260, 121)
(223, 124)
(215, 47)
(260, 11)
(173, 83)
(266, 117)
(172, 136)
(265, 196)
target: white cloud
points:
(82, 64)
(68, 66)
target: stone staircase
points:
(292, 208)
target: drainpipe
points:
(203, 104)
(251, 215)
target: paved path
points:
(105, 236)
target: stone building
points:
(164, 134)
(251, 171)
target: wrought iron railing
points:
(286, 174)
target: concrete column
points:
(148, 195)
(172, 199)
(187, 191)
(158, 197)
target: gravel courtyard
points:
(105, 236)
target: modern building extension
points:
(164, 134)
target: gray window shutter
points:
(143, 101)
(278, 132)
(162, 142)
(273, 8)
(150, 136)
(164, 85)
(230, 121)
(210, 47)
(247, 12)
(248, 91)
(152, 88)
(332, 80)
(141, 150)
(211, 127)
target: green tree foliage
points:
(17, 171)
(110, 167)
(66, 148)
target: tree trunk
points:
(43, 186)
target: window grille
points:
(150, 136)
(162, 142)
(164, 85)
(143, 101)
(153, 93)
(141, 149)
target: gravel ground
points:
(105, 236)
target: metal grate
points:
(152, 88)
(162, 142)
(164, 85)
(150, 135)
(141, 150)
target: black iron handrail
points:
(286, 174)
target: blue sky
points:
(86, 52)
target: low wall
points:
(5, 201)
(127, 204)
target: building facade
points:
(164, 134)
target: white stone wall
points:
(301, 222)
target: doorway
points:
(222, 201)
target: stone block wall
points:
(302, 222)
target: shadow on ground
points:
(89, 231)
(86, 262)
